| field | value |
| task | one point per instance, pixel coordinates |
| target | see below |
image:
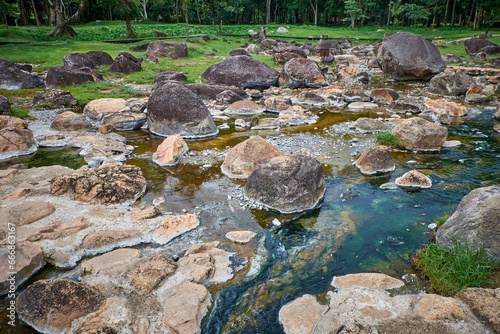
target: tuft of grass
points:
(441, 220)
(450, 270)
(20, 112)
(388, 139)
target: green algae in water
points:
(68, 157)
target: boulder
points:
(102, 240)
(15, 137)
(491, 50)
(151, 271)
(100, 58)
(384, 95)
(475, 221)
(173, 226)
(109, 184)
(355, 96)
(403, 108)
(417, 134)
(28, 212)
(78, 60)
(241, 71)
(170, 151)
(300, 73)
(434, 307)
(450, 58)
(277, 104)
(245, 157)
(244, 107)
(169, 75)
(369, 124)
(11, 77)
(228, 97)
(288, 183)
(123, 114)
(59, 76)
(348, 71)
(210, 92)
(301, 315)
(240, 237)
(109, 260)
(484, 304)
(453, 108)
(125, 63)
(309, 98)
(349, 59)
(267, 43)
(362, 105)
(51, 305)
(55, 98)
(283, 52)
(252, 49)
(450, 83)
(376, 160)
(5, 106)
(70, 121)
(140, 47)
(282, 30)
(414, 179)
(475, 45)
(157, 50)
(327, 44)
(239, 52)
(174, 109)
(405, 56)
(373, 281)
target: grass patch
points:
(20, 112)
(88, 91)
(450, 270)
(388, 139)
(441, 220)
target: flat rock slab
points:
(109, 260)
(173, 226)
(28, 212)
(372, 281)
(485, 304)
(240, 237)
(301, 315)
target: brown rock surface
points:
(170, 151)
(173, 226)
(241, 237)
(414, 179)
(372, 281)
(454, 108)
(376, 160)
(301, 315)
(70, 121)
(29, 212)
(417, 134)
(151, 270)
(109, 260)
(15, 137)
(485, 304)
(302, 72)
(244, 107)
(103, 239)
(435, 307)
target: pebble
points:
(432, 226)
(276, 222)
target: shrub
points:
(451, 270)
(388, 139)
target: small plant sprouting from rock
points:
(388, 139)
(451, 270)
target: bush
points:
(388, 139)
(451, 270)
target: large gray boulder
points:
(420, 135)
(11, 77)
(174, 109)
(241, 71)
(283, 52)
(289, 183)
(158, 50)
(452, 83)
(475, 221)
(125, 63)
(210, 92)
(475, 45)
(302, 72)
(78, 60)
(405, 56)
(100, 58)
(61, 76)
(5, 108)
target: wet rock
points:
(301, 72)
(475, 221)
(152, 270)
(11, 77)
(28, 212)
(78, 60)
(100, 58)
(173, 226)
(240, 237)
(145, 212)
(242, 159)
(109, 260)
(454, 108)
(106, 185)
(376, 160)
(476, 98)
(103, 240)
(369, 124)
(310, 98)
(301, 315)
(55, 98)
(123, 114)
(450, 83)
(239, 52)
(277, 103)
(70, 121)
(405, 56)
(5, 106)
(15, 137)
(244, 107)
(125, 63)
(51, 305)
(418, 134)
(59, 76)
(210, 92)
(241, 71)
(282, 53)
(349, 71)
(403, 108)
(355, 96)
(290, 183)
(434, 307)
(228, 97)
(292, 116)
(157, 50)
(475, 45)
(350, 59)
(372, 281)
(384, 95)
(174, 109)
(414, 179)
(28, 260)
(484, 304)
(170, 151)
(169, 75)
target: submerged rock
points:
(376, 160)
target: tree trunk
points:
(446, 12)
(470, 15)
(145, 12)
(38, 24)
(220, 26)
(176, 11)
(61, 22)
(6, 22)
(268, 11)
(315, 11)
(389, 13)
(130, 29)
(22, 10)
(184, 9)
(453, 13)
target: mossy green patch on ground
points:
(388, 139)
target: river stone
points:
(484, 304)
(70, 121)
(139, 48)
(59, 76)
(109, 260)
(174, 109)
(228, 97)
(403, 108)
(417, 134)
(414, 179)
(15, 137)
(109, 184)
(284, 52)
(240, 237)
(475, 45)
(301, 315)
(78, 60)
(51, 305)
(169, 75)
(5, 106)
(60, 230)
(239, 52)
(242, 159)
(434, 307)
(252, 49)
(369, 124)
(210, 92)
(373, 281)
(11, 77)
(100, 58)
(310, 98)
(28, 212)
(454, 108)
(355, 96)
(362, 105)
(384, 95)
(55, 97)
(122, 114)
(158, 50)
(302, 72)
(288, 183)
(349, 71)
(125, 63)
(450, 58)
(376, 160)
(244, 107)
(173, 226)
(277, 104)
(475, 221)
(267, 43)
(28, 260)
(405, 56)
(170, 151)
(450, 83)
(241, 71)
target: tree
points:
(352, 7)
(61, 21)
